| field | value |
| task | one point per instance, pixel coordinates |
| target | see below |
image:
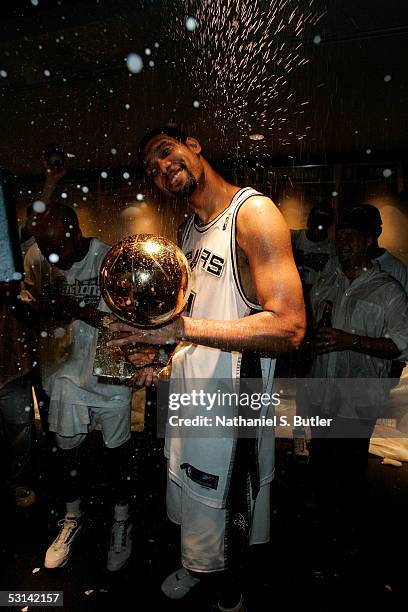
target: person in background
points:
(19, 368)
(55, 164)
(354, 352)
(313, 248)
(62, 277)
(314, 253)
(371, 216)
(17, 363)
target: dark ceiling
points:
(64, 78)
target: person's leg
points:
(118, 473)
(323, 471)
(116, 434)
(43, 401)
(353, 458)
(205, 539)
(70, 485)
(258, 532)
(16, 414)
(214, 541)
(343, 506)
(70, 488)
(118, 461)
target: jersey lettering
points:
(216, 265)
(208, 261)
(86, 290)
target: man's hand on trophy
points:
(167, 335)
(145, 377)
(142, 356)
(152, 363)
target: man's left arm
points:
(329, 339)
(394, 344)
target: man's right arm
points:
(52, 178)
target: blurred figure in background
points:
(19, 368)
(54, 161)
(368, 330)
(313, 249)
(371, 216)
(17, 362)
(62, 276)
(55, 164)
(314, 252)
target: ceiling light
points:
(256, 137)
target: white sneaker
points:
(120, 547)
(178, 584)
(60, 550)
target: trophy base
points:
(110, 366)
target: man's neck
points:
(355, 270)
(376, 251)
(83, 248)
(212, 195)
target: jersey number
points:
(190, 304)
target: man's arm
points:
(328, 339)
(66, 309)
(394, 343)
(264, 237)
(53, 176)
(10, 294)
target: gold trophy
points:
(145, 281)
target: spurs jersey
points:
(216, 294)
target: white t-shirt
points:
(68, 348)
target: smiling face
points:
(173, 166)
(352, 246)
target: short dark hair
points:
(166, 130)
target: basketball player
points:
(246, 306)
(62, 277)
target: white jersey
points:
(68, 348)
(217, 294)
